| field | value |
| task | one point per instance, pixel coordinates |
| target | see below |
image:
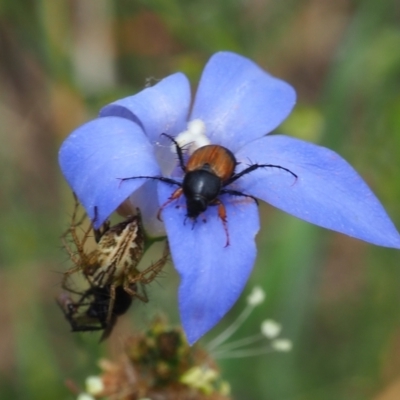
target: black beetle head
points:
(195, 206)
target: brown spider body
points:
(118, 253)
(111, 266)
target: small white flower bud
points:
(282, 345)
(85, 396)
(256, 297)
(194, 137)
(270, 328)
(94, 385)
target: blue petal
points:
(213, 276)
(162, 108)
(146, 198)
(328, 191)
(96, 155)
(239, 102)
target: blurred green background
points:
(337, 298)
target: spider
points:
(114, 261)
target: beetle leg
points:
(178, 193)
(237, 193)
(158, 178)
(252, 168)
(222, 215)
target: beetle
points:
(207, 174)
(91, 311)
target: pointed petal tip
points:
(162, 107)
(192, 337)
(328, 191)
(391, 241)
(235, 96)
(212, 275)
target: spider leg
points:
(72, 232)
(74, 224)
(70, 307)
(74, 216)
(110, 305)
(108, 328)
(78, 258)
(252, 168)
(71, 253)
(78, 244)
(128, 287)
(154, 269)
(66, 276)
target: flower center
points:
(193, 138)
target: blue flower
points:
(237, 104)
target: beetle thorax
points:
(200, 188)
